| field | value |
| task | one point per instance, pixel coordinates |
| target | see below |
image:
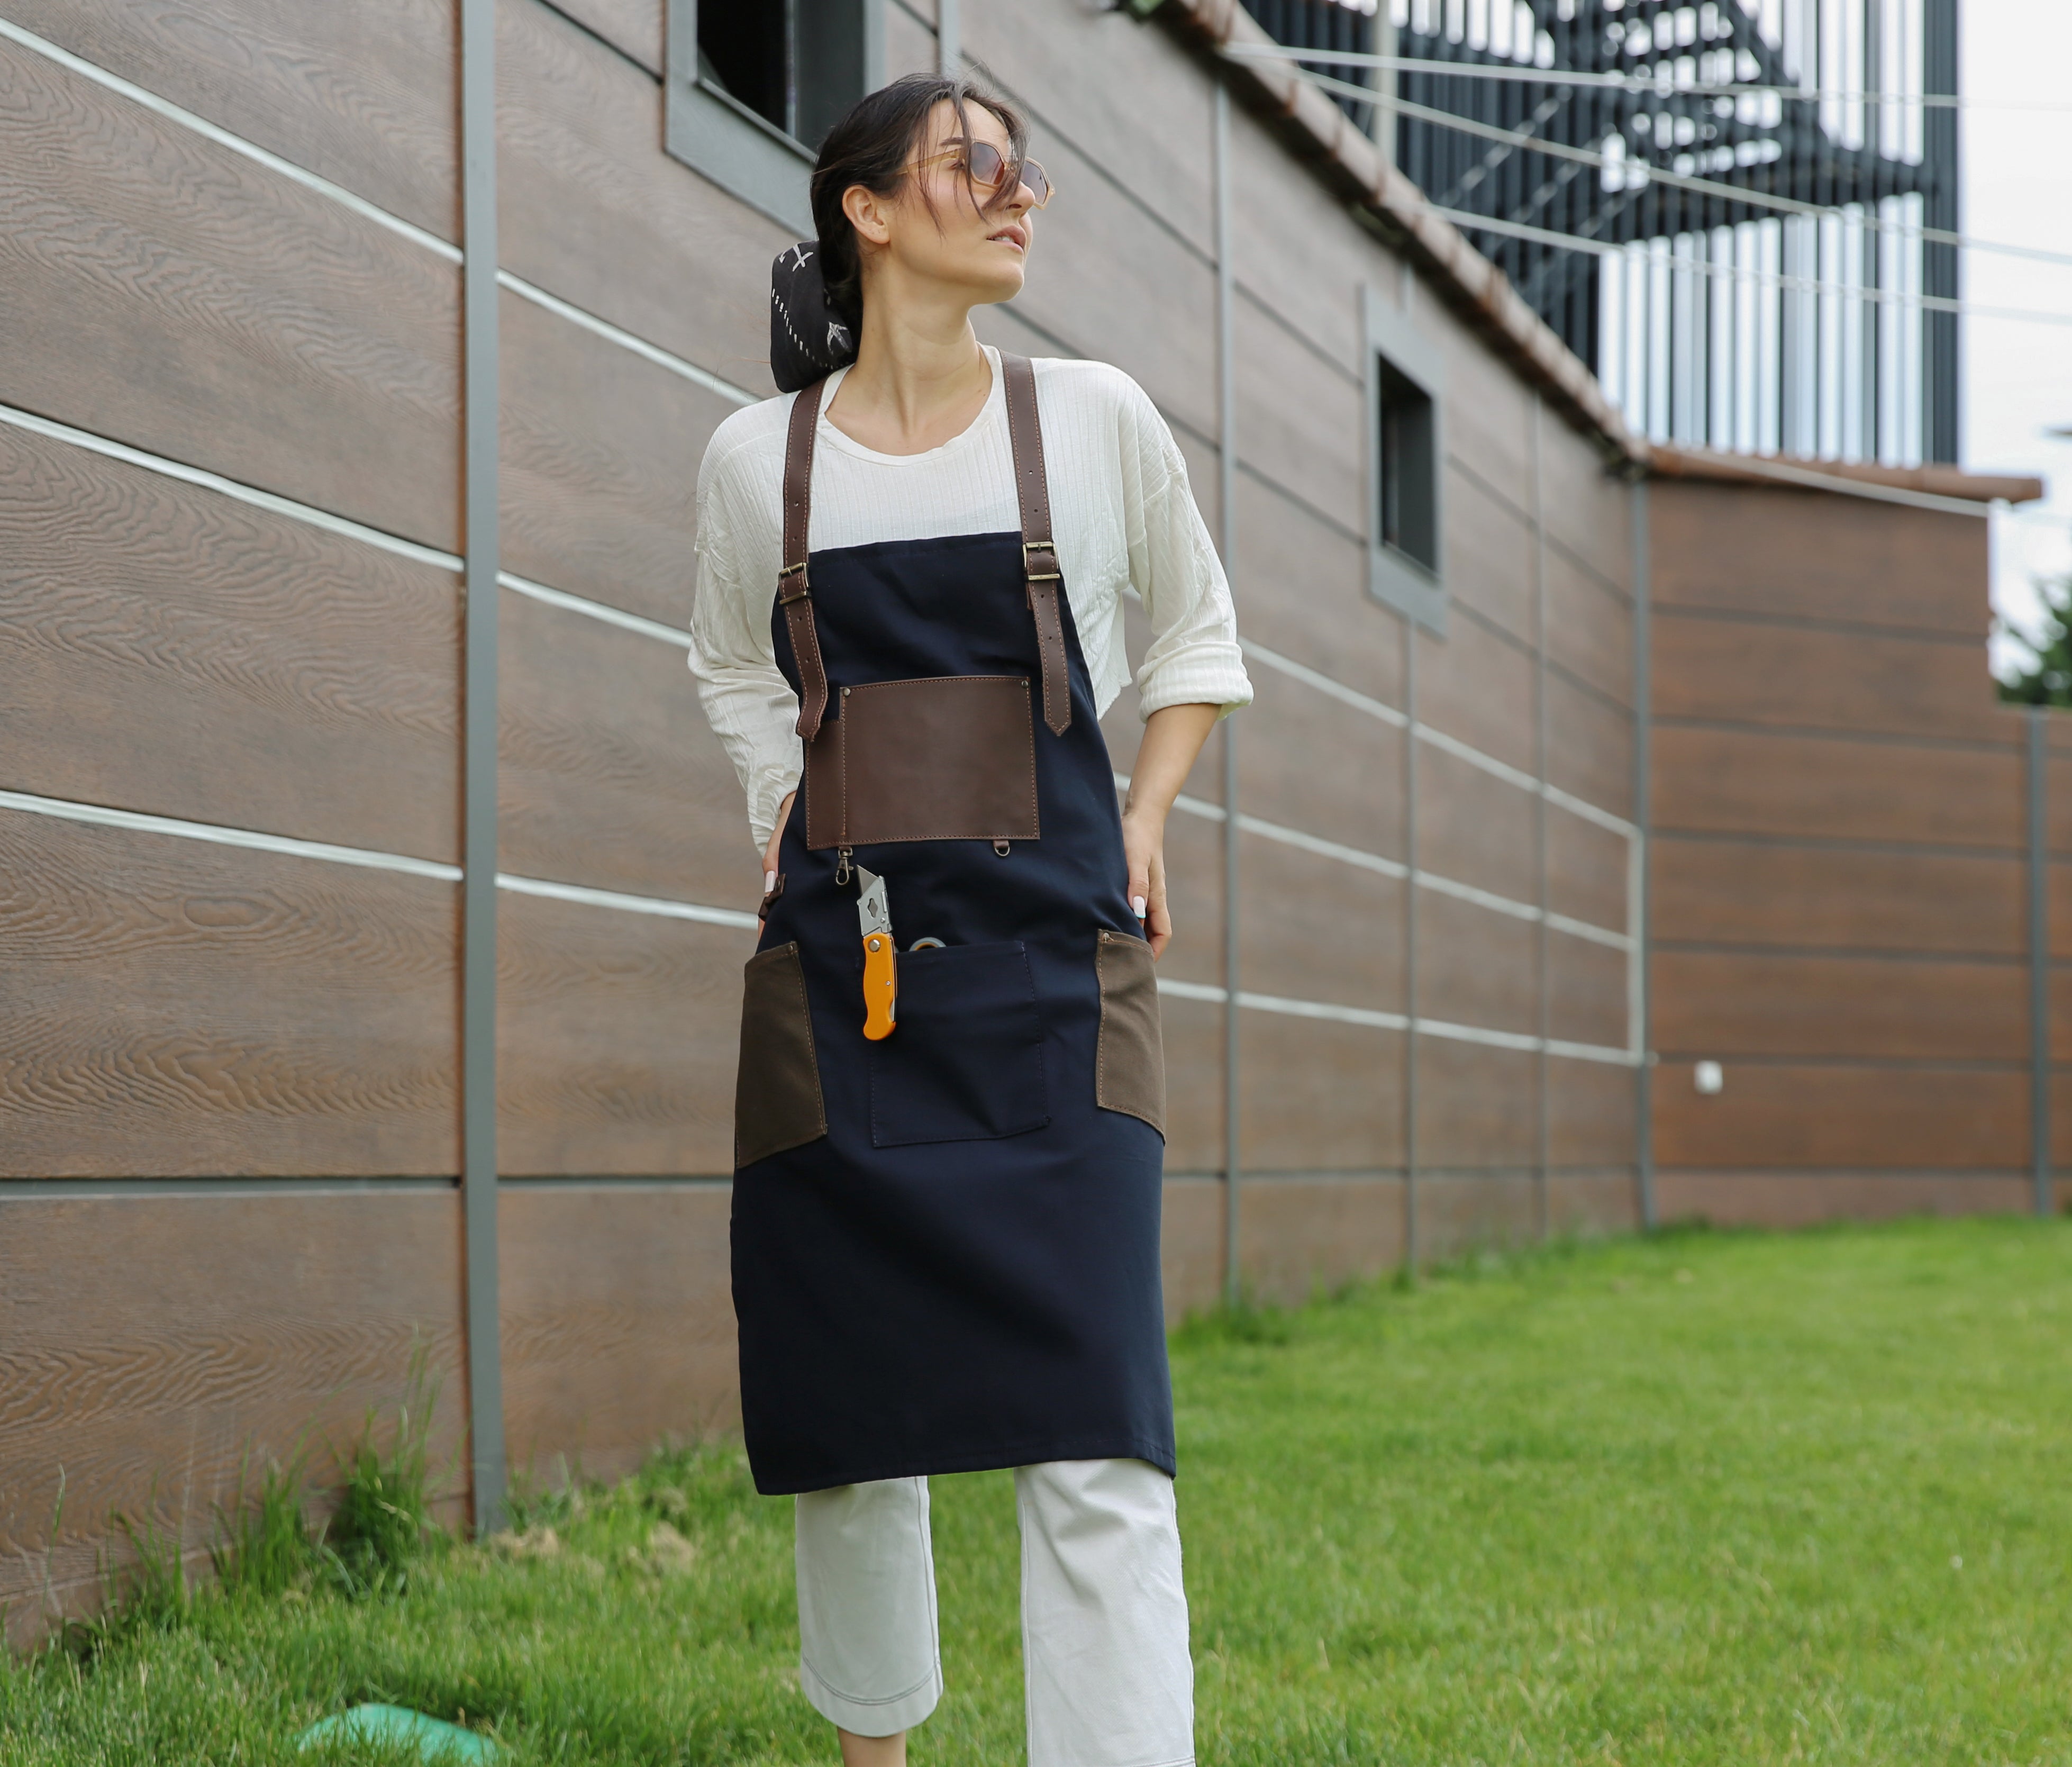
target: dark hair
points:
(870, 146)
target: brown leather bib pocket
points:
(777, 1102)
(1129, 1065)
(942, 758)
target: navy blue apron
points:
(945, 1243)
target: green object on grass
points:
(436, 1740)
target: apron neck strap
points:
(1039, 551)
(791, 587)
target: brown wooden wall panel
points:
(1191, 1245)
(635, 28)
(1309, 761)
(1751, 892)
(1749, 671)
(1317, 928)
(1763, 1199)
(616, 1040)
(1837, 788)
(1725, 1004)
(617, 1323)
(283, 678)
(1591, 1109)
(1473, 827)
(1587, 866)
(591, 209)
(1476, 1106)
(2060, 909)
(1300, 1235)
(362, 96)
(1586, 991)
(1590, 1203)
(1319, 1096)
(1465, 1212)
(909, 45)
(1489, 411)
(601, 452)
(610, 775)
(1194, 898)
(1094, 78)
(1475, 966)
(148, 1345)
(2060, 1012)
(1299, 418)
(1291, 247)
(171, 294)
(2061, 1118)
(1810, 555)
(177, 1008)
(1119, 287)
(1588, 510)
(1477, 687)
(1589, 628)
(1773, 1114)
(1194, 1037)
(1301, 589)
(1589, 747)
(1488, 546)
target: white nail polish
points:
(1136, 904)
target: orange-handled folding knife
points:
(881, 968)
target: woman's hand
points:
(1144, 844)
(1173, 737)
(770, 850)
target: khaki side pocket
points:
(777, 1102)
(1130, 1067)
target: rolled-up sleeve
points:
(1193, 657)
(749, 704)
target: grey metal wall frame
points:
(1643, 717)
(1226, 539)
(2039, 956)
(478, 1037)
(1543, 1022)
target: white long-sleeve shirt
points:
(1122, 513)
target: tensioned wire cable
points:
(1635, 252)
(1651, 174)
(1645, 85)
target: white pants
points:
(1104, 1614)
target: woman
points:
(949, 1121)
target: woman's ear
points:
(867, 214)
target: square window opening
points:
(798, 64)
(1407, 520)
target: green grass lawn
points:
(1705, 1498)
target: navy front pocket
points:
(965, 1059)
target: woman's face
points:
(941, 228)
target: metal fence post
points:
(2039, 957)
(1643, 715)
(1225, 538)
(477, 1036)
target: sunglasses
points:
(993, 172)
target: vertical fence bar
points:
(1638, 918)
(1226, 536)
(1542, 1201)
(478, 1035)
(2039, 956)
(949, 43)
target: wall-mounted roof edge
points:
(1933, 481)
(1321, 132)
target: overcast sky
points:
(2018, 188)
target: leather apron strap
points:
(1039, 552)
(792, 593)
